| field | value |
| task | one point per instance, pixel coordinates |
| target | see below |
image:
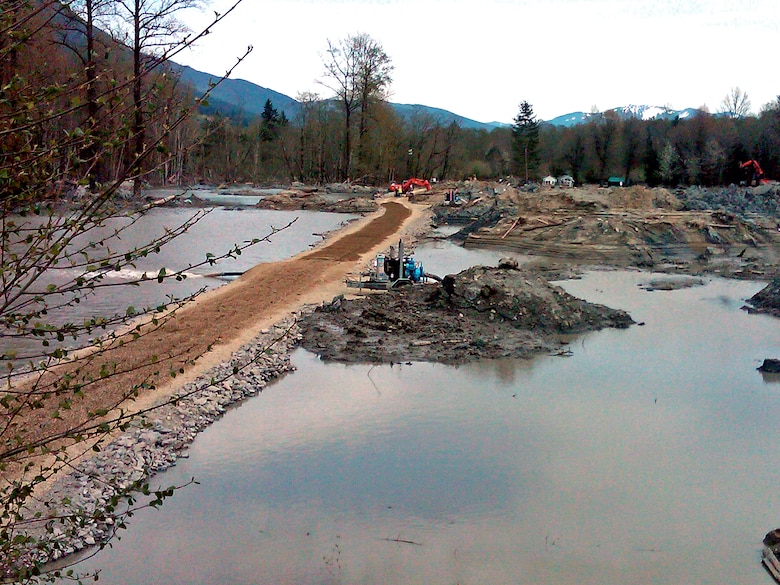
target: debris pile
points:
(767, 300)
(299, 200)
(478, 313)
(729, 231)
(762, 200)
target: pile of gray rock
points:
(73, 514)
(761, 200)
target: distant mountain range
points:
(243, 99)
(624, 112)
(236, 97)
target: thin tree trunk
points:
(91, 152)
(138, 118)
(347, 143)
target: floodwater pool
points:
(645, 457)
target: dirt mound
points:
(299, 200)
(479, 313)
(642, 198)
(729, 230)
(767, 300)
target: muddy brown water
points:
(644, 457)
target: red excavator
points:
(408, 185)
(754, 172)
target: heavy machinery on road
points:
(408, 185)
(755, 173)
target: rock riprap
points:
(74, 515)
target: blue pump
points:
(413, 270)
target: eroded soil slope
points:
(731, 231)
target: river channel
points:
(644, 457)
(217, 233)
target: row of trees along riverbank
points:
(127, 118)
(322, 145)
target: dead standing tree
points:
(357, 70)
(736, 104)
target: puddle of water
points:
(443, 257)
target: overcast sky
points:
(480, 59)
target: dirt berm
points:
(292, 201)
(478, 313)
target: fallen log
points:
(158, 202)
(546, 225)
(506, 233)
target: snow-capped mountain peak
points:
(640, 112)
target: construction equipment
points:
(754, 172)
(408, 185)
(393, 271)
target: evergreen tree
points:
(525, 142)
(270, 122)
